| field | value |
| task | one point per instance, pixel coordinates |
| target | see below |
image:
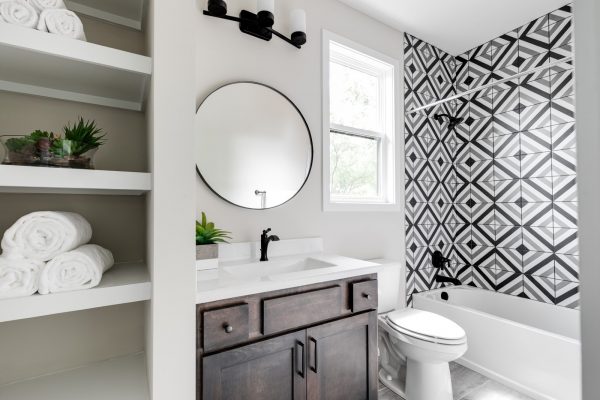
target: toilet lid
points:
(427, 325)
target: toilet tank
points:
(390, 285)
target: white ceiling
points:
(455, 26)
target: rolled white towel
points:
(18, 12)
(61, 22)
(41, 5)
(78, 269)
(43, 235)
(19, 276)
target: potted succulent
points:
(75, 149)
(207, 239)
(78, 146)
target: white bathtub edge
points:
(503, 380)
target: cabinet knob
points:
(228, 328)
(367, 296)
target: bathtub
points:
(530, 346)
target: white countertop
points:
(245, 277)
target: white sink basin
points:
(279, 266)
(289, 267)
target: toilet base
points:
(427, 381)
(396, 385)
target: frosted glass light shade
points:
(298, 20)
(266, 5)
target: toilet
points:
(415, 346)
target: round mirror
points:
(253, 146)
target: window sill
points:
(361, 207)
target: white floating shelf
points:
(124, 283)
(20, 179)
(128, 13)
(42, 64)
(122, 378)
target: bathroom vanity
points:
(312, 342)
(308, 330)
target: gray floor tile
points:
(492, 390)
(464, 380)
(468, 385)
(387, 394)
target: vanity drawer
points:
(301, 309)
(225, 327)
(364, 295)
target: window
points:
(359, 127)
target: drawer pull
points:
(228, 328)
(367, 296)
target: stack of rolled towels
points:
(45, 15)
(47, 252)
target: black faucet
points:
(265, 238)
(440, 262)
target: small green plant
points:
(206, 233)
(18, 145)
(78, 139)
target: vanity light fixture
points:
(260, 25)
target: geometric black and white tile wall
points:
(497, 194)
(431, 152)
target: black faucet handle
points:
(265, 231)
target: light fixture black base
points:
(298, 38)
(249, 24)
(218, 8)
(266, 18)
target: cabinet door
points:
(342, 359)
(270, 370)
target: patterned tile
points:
(537, 214)
(536, 141)
(536, 165)
(508, 168)
(507, 191)
(535, 190)
(539, 263)
(562, 84)
(567, 267)
(538, 238)
(563, 136)
(509, 237)
(510, 260)
(564, 188)
(539, 288)
(508, 282)
(498, 195)
(507, 145)
(566, 293)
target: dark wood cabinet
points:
(317, 342)
(342, 359)
(274, 369)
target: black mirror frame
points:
(312, 149)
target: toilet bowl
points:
(415, 346)
(415, 349)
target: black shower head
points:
(452, 121)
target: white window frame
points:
(391, 163)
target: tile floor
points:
(468, 385)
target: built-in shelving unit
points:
(19, 179)
(53, 67)
(122, 378)
(124, 283)
(42, 64)
(129, 13)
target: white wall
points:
(38, 346)
(587, 65)
(224, 55)
(171, 337)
